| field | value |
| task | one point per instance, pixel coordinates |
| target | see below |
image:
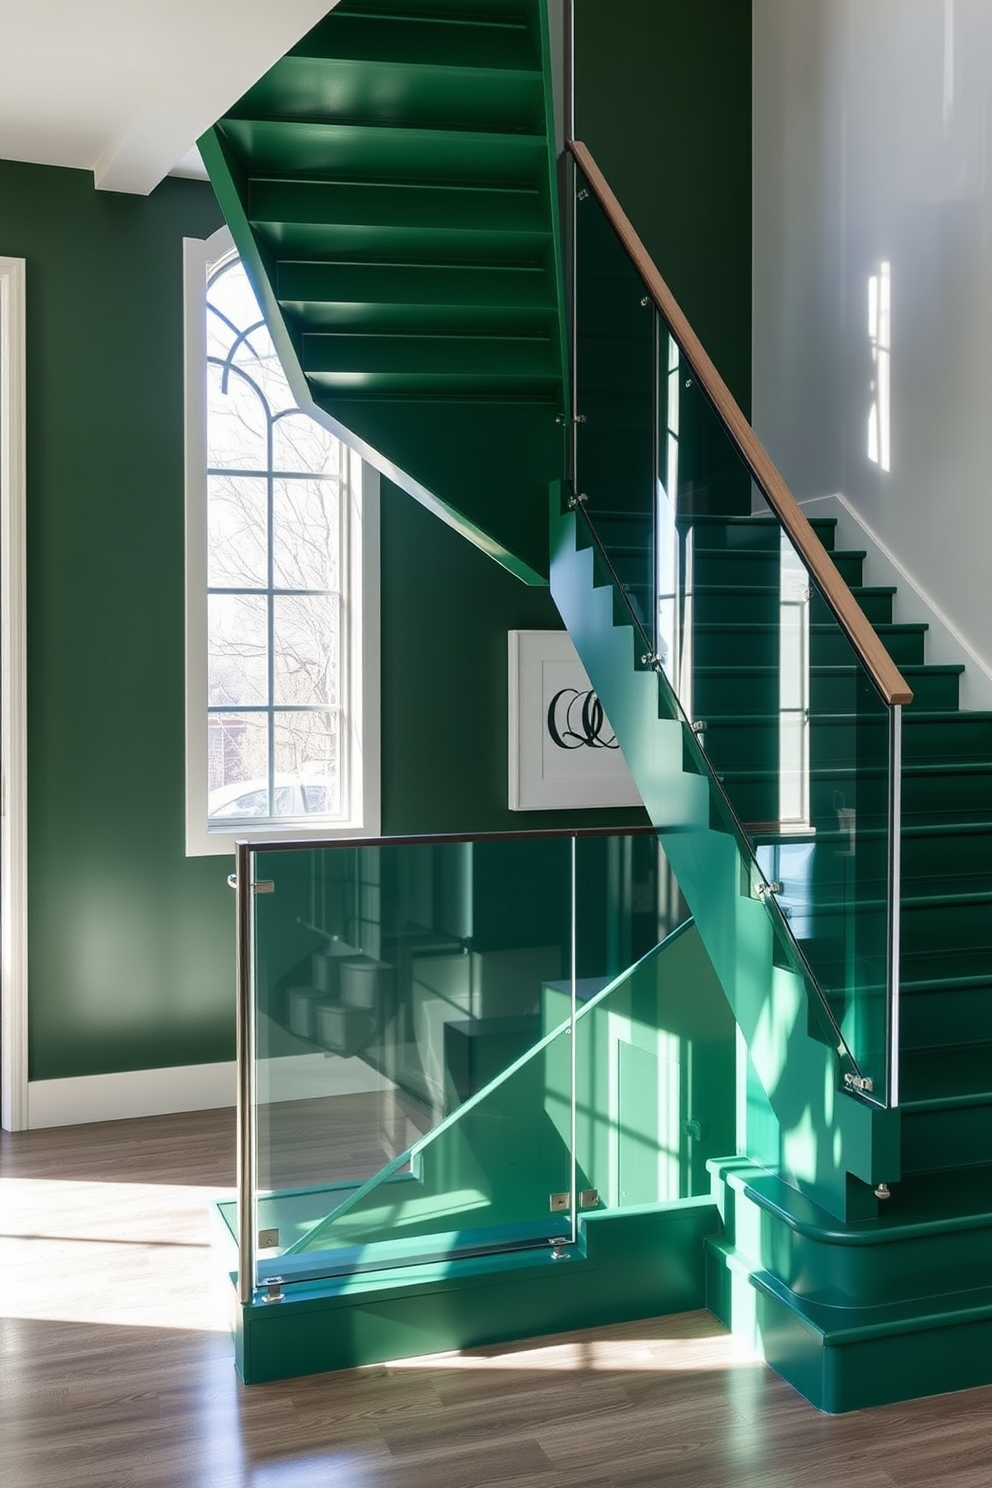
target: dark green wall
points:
(446, 609)
(131, 943)
(129, 959)
(663, 100)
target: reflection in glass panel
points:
(782, 719)
(412, 1007)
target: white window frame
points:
(361, 814)
(13, 701)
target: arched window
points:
(281, 522)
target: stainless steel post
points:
(571, 229)
(894, 900)
(245, 1034)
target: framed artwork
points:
(563, 754)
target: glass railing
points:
(413, 1087)
(791, 708)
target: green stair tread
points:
(929, 1204)
(817, 627)
(772, 554)
(976, 981)
(827, 670)
(836, 1325)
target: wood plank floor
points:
(115, 1368)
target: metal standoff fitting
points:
(859, 1082)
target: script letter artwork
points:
(562, 751)
(576, 720)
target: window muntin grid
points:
(277, 514)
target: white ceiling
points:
(124, 88)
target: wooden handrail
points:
(877, 662)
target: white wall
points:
(872, 144)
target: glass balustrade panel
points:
(780, 713)
(413, 1072)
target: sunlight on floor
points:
(715, 1351)
(130, 1254)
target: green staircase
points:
(858, 1308)
(391, 187)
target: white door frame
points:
(13, 705)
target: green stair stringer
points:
(832, 1147)
(405, 247)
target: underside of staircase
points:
(392, 187)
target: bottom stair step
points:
(844, 1358)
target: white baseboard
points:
(117, 1097)
(193, 1087)
(945, 645)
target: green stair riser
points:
(878, 1266)
(299, 149)
(935, 1140)
(419, 39)
(948, 1014)
(381, 205)
(750, 533)
(739, 565)
(421, 96)
(755, 688)
(429, 290)
(737, 645)
(501, 357)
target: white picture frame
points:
(562, 752)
